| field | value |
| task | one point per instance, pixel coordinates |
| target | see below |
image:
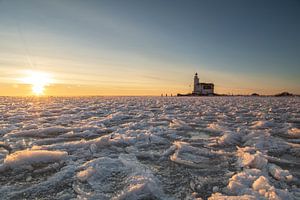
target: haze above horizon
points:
(139, 47)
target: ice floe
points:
(29, 158)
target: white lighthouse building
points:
(202, 88)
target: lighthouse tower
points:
(197, 89)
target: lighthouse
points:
(197, 89)
(202, 88)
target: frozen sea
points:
(138, 148)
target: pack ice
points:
(134, 148)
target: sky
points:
(149, 47)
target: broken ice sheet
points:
(150, 148)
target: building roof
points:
(205, 83)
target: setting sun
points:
(38, 81)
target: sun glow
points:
(38, 81)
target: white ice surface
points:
(150, 148)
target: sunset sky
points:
(148, 47)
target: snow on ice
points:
(150, 148)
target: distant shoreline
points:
(283, 94)
(135, 96)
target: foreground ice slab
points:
(29, 158)
(135, 148)
(119, 178)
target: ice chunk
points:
(230, 138)
(279, 174)
(294, 132)
(141, 187)
(219, 196)
(114, 117)
(23, 158)
(141, 183)
(264, 141)
(241, 182)
(216, 128)
(246, 158)
(106, 174)
(262, 124)
(39, 133)
(261, 183)
(192, 156)
(255, 182)
(85, 174)
(179, 124)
